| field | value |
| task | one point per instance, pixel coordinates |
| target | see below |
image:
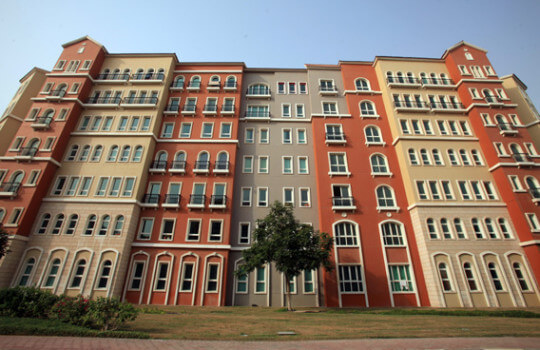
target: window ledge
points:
(382, 174)
(379, 209)
(339, 174)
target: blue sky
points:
(272, 33)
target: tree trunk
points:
(288, 293)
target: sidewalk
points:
(64, 343)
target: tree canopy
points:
(293, 247)
(3, 242)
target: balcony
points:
(41, 123)
(218, 201)
(171, 201)
(158, 166)
(9, 189)
(172, 108)
(227, 110)
(335, 138)
(327, 90)
(447, 107)
(112, 77)
(257, 114)
(178, 166)
(196, 201)
(140, 101)
(494, 101)
(506, 129)
(535, 194)
(56, 94)
(437, 83)
(147, 77)
(402, 81)
(343, 203)
(194, 87)
(258, 93)
(215, 86)
(201, 167)
(230, 86)
(221, 167)
(177, 86)
(411, 106)
(189, 110)
(210, 109)
(151, 200)
(26, 152)
(523, 159)
(103, 101)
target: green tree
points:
(3, 241)
(293, 247)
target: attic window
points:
(81, 49)
(469, 56)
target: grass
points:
(35, 326)
(257, 323)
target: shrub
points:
(109, 314)
(71, 310)
(26, 302)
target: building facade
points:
(142, 177)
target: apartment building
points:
(142, 177)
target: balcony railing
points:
(230, 85)
(506, 129)
(342, 202)
(150, 198)
(436, 81)
(258, 92)
(178, 166)
(159, 165)
(43, 120)
(221, 166)
(257, 114)
(173, 107)
(210, 108)
(522, 157)
(148, 76)
(27, 151)
(104, 100)
(411, 104)
(141, 100)
(335, 137)
(10, 188)
(535, 193)
(446, 105)
(213, 86)
(58, 93)
(113, 76)
(327, 90)
(197, 200)
(402, 80)
(218, 200)
(201, 166)
(172, 199)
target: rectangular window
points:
(85, 186)
(246, 197)
(216, 228)
(447, 190)
(263, 164)
(262, 197)
(167, 130)
(247, 166)
(122, 125)
(59, 185)
(115, 186)
(303, 88)
(287, 165)
(417, 130)
(128, 187)
(309, 283)
(303, 165)
(167, 229)
(464, 189)
(146, 123)
(490, 190)
(244, 234)
(280, 87)
(17, 143)
(330, 108)
(137, 275)
(260, 280)
(286, 136)
(300, 111)
(421, 187)
(530, 148)
(145, 229)
(434, 190)
(338, 163)
(187, 277)
(249, 135)
(264, 136)
(102, 186)
(225, 130)
(15, 216)
(33, 114)
(286, 110)
(350, 279)
(288, 196)
(185, 130)
(292, 88)
(134, 126)
(427, 127)
(404, 127)
(516, 184)
(212, 279)
(193, 230)
(400, 278)
(72, 186)
(533, 222)
(478, 193)
(442, 127)
(32, 178)
(305, 198)
(207, 130)
(161, 277)
(301, 136)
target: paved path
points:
(64, 343)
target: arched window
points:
(517, 153)
(437, 157)
(469, 274)
(453, 157)
(231, 82)
(137, 154)
(72, 224)
(105, 222)
(160, 74)
(426, 160)
(490, 98)
(389, 77)
(432, 229)
(78, 274)
(45, 220)
(392, 235)
(118, 225)
(464, 157)
(345, 234)
(502, 123)
(444, 79)
(195, 82)
(222, 162)
(179, 162)
(477, 158)
(47, 117)
(113, 154)
(494, 274)
(72, 154)
(258, 89)
(373, 134)
(15, 181)
(105, 74)
(124, 155)
(125, 75)
(445, 278)
(385, 197)
(413, 158)
(362, 84)
(178, 82)
(24, 281)
(53, 272)
(90, 225)
(60, 90)
(85, 152)
(139, 75)
(96, 156)
(160, 161)
(445, 227)
(58, 222)
(214, 80)
(424, 78)
(367, 108)
(410, 78)
(202, 162)
(104, 275)
(520, 277)
(149, 74)
(379, 164)
(115, 74)
(434, 79)
(400, 77)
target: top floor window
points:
(362, 84)
(258, 89)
